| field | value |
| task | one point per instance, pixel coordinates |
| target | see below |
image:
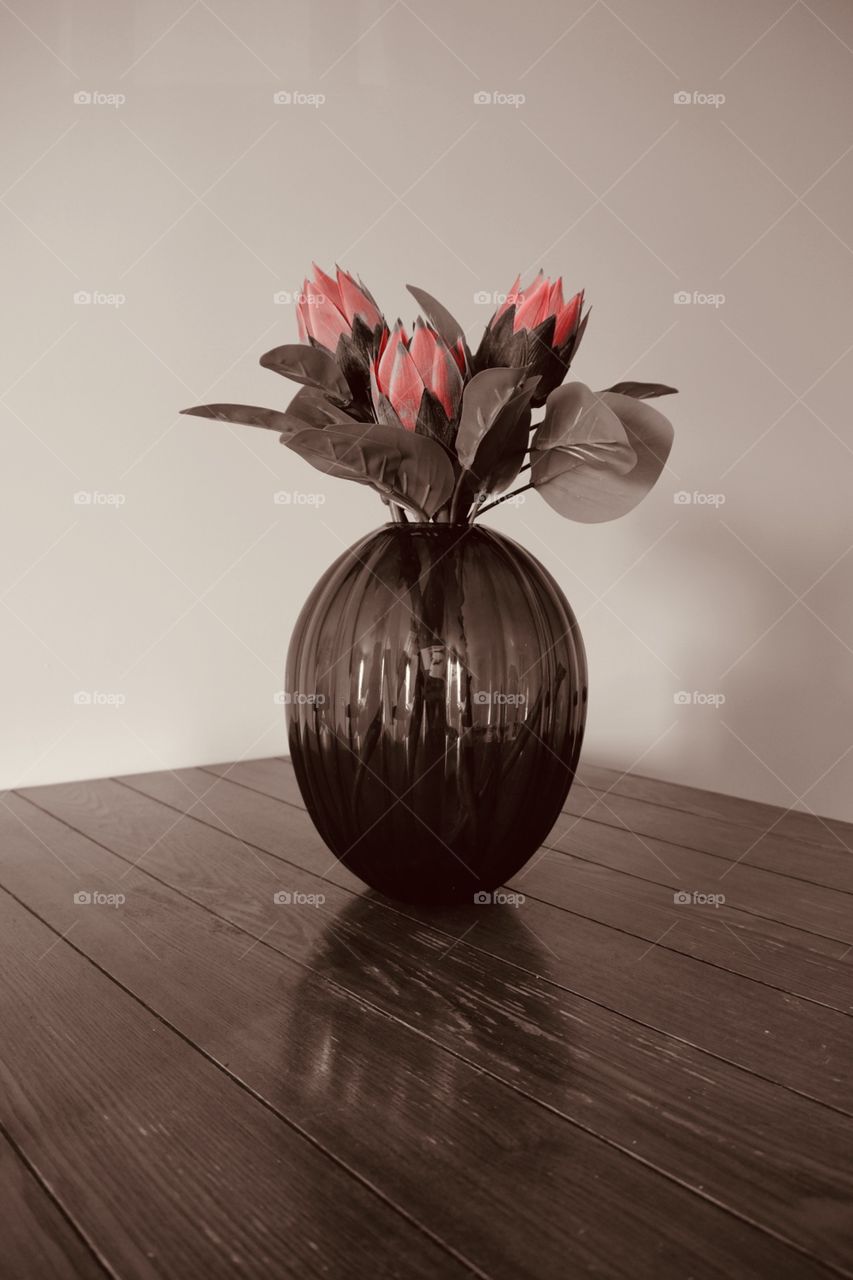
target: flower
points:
(328, 308)
(416, 377)
(537, 328)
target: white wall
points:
(198, 198)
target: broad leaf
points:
(498, 460)
(592, 493)
(482, 400)
(248, 415)
(309, 365)
(579, 423)
(315, 409)
(642, 390)
(399, 465)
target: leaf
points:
(399, 465)
(501, 452)
(247, 415)
(314, 409)
(482, 400)
(592, 493)
(309, 365)
(446, 325)
(579, 424)
(642, 390)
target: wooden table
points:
(198, 1080)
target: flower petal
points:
(355, 303)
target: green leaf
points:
(315, 409)
(498, 459)
(401, 466)
(591, 493)
(482, 401)
(642, 390)
(247, 415)
(309, 365)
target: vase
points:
(436, 698)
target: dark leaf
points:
(446, 325)
(315, 409)
(482, 400)
(247, 415)
(501, 452)
(310, 365)
(581, 425)
(591, 493)
(401, 466)
(642, 390)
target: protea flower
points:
(417, 382)
(535, 327)
(328, 308)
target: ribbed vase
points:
(436, 698)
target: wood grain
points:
(300, 1040)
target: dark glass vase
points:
(436, 697)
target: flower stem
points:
(506, 497)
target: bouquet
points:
(441, 431)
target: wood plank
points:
(742, 935)
(669, 861)
(201, 1180)
(788, 1040)
(39, 1243)
(797, 823)
(728, 841)
(557, 1198)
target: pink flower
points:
(328, 308)
(538, 302)
(408, 369)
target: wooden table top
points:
(623, 1075)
